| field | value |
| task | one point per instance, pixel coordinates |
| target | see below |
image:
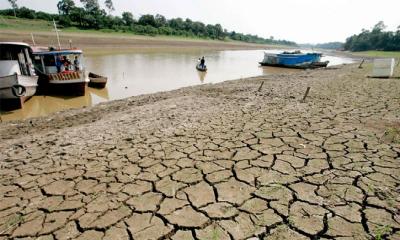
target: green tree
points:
(176, 23)
(92, 6)
(376, 39)
(161, 21)
(65, 6)
(147, 19)
(77, 15)
(127, 18)
(379, 27)
(14, 6)
(109, 5)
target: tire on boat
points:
(18, 90)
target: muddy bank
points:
(226, 159)
(103, 43)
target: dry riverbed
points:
(112, 43)
(222, 161)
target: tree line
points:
(328, 45)
(375, 39)
(92, 16)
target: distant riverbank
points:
(104, 42)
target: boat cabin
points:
(15, 58)
(58, 61)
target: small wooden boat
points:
(319, 64)
(201, 68)
(97, 81)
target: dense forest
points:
(376, 39)
(92, 16)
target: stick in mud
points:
(361, 63)
(262, 83)
(306, 94)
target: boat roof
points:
(46, 51)
(15, 43)
(293, 54)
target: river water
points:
(149, 72)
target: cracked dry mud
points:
(221, 161)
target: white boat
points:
(18, 80)
(61, 72)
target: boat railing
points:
(65, 76)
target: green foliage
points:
(147, 20)
(65, 6)
(91, 16)
(381, 232)
(127, 18)
(91, 6)
(109, 5)
(14, 6)
(376, 39)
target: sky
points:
(302, 21)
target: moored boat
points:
(294, 59)
(58, 74)
(201, 68)
(18, 80)
(97, 81)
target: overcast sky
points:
(303, 21)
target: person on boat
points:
(76, 63)
(58, 64)
(202, 62)
(66, 62)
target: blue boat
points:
(294, 59)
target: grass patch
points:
(392, 134)
(381, 232)
(382, 54)
(11, 23)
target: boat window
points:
(49, 60)
(29, 62)
(22, 64)
(7, 53)
(37, 61)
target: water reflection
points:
(101, 93)
(149, 72)
(202, 76)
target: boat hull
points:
(294, 60)
(9, 99)
(7, 82)
(64, 84)
(93, 84)
(67, 88)
(97, 81)
(313, 65)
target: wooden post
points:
(262, 83)
(398, 62)
(361, 63)
(306, 94)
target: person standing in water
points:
(202, 62)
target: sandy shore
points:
(222, 161)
